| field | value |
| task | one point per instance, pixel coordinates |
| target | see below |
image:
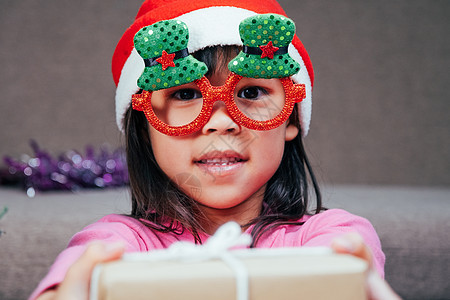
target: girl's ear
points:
(291, 132)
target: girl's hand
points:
(77, 281)
(377, 287)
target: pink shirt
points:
(318, 230)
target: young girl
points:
(214, 98)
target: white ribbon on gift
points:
(217, 246)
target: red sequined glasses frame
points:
(294, 93)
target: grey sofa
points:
(413, 224)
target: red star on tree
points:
(166, 60)
(268, 50)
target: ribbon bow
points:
(227, 236)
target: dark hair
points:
(160, 204)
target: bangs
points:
(217, 58)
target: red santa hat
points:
(210, 23)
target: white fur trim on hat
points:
(207, 27)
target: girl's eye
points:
(187, 94)
(252, 92)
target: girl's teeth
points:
(220, 161)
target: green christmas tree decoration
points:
(265, 39)
(163, 46)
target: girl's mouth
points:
(220, 163)
(224, 161)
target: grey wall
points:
(380, 104)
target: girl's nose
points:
(221, 121)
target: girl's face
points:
(223, 166)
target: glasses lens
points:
(260, 99)
(177, 106)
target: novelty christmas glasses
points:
(258, 93)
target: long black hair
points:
(160, 204)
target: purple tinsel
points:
(70, 171)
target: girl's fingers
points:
(78, 277)
(353, 244)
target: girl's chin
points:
(218, 203)
(227, 199)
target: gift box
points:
(301, 275)
(262, 274)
